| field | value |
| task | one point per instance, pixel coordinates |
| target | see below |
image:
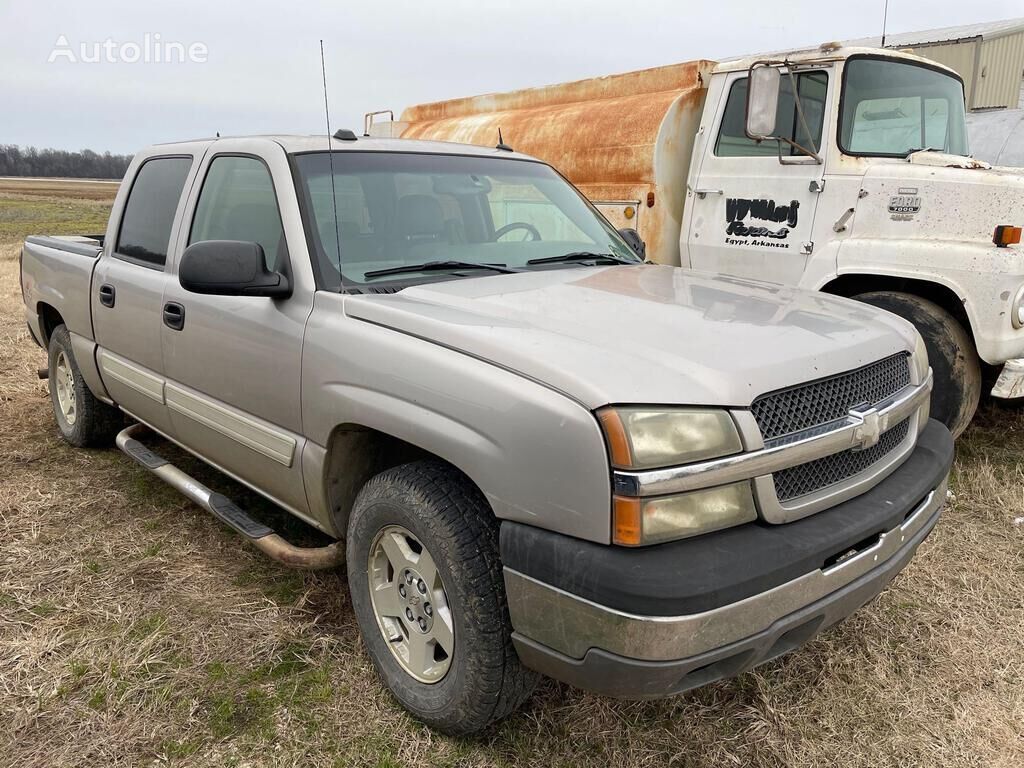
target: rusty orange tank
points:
(621, 139)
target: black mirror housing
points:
(634, 241)
(230, 268)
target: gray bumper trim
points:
(623, 676)
(572, 626)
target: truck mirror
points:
(634, 241)
(762, 101)
(230, 268)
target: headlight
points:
(1017, 309)
(664, 518)
(920, 359)
(642, 438)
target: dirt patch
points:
(136, 630)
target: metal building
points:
(989, 57)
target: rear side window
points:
(238, 203)
(149, 214)
(812, 88)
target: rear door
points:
(128, 284)
(751, 214)
(233, 362)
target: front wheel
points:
(428, 592)
(951, 354)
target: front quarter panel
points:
(537, 455)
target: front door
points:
(233, 362)
(752, 215)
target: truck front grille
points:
(807, 478)
(819, 402)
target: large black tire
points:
(449, 516)
(951, 354)
(89, 422)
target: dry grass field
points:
(136, 630)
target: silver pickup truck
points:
(533, 451)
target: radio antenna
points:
(330, 155)
(885, 18)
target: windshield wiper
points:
(432, 266)
(581, 256)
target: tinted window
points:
(238, 203)
(149, 214)
(812, 88)
(892, 108)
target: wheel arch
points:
(49, 319)
(850, 285)
(355, 454)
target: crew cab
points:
(533, 451)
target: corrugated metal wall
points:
(997, 82)
(1002, 64)
(958, 56)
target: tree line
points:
(85, 164)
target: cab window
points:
(149, 213)
(237, 202)
(812, 88)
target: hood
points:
(645, 333)
(938, 197)
(945, 160)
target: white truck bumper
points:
(1010, 384)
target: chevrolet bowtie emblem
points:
(869, 427)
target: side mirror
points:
(230, 268)
(634, 241)
(762, 101)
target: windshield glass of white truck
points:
(416, 216)
(891, 109)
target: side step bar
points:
(225, 510)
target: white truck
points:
(861, 187)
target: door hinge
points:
(816, 185)
(807, 248)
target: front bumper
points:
(649, 623)
(1010, 384)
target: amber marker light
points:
(627, 529)
(618, 442)
(1005, 235)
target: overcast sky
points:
(261, 69)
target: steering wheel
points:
(530, 230)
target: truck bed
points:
(56, 279)
(83, 245)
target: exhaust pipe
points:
(229, 513)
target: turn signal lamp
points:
(1005, 235)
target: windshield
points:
(400, 210)
(892, 108)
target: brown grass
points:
(135, 630)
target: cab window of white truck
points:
(237, 202)
(812, 88)
(891, 108)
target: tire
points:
(82, 420)
(951, 354)
(481, 679)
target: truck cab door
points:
(129, 281)
(233, 362)
(751, 214)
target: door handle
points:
(174, 315)
(107, 294)
(702, 193)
